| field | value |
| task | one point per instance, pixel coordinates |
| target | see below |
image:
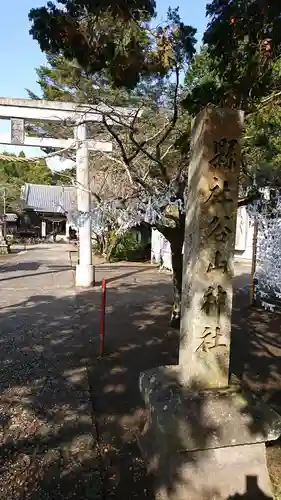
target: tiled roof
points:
(46, 198)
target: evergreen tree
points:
(116, 38)
(242, 44)
(261, 145)
(13, 175)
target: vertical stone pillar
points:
(4, 248)
(209, 248)
(84, 270)
(43, 229)
(67, 226)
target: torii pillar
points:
(84, 269)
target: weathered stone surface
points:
(205, 419)
(17, 131)
(209, 245)
(218, 474)
(203, 445)
(4, 248)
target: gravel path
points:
(47, 446)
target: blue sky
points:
(20, 54)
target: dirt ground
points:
(138, 337)
(7, 257)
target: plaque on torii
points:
(17, 131)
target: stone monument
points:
(204, 438)
(4, 247)
(211, 215)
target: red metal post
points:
(102, 318)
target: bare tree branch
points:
(150, 139)
(140, 147)
(126, 162)
(167, 151)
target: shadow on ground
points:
(54, 445)
(47, 445)
(30, 269)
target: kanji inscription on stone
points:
(225, 154)
(221, 195)
(221, 198)
(210, 339)
(219, 227)
(210, 236)
(214, 300)
(218, 263)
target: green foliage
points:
(13, 174)
(203, 85)
(124, 247)
(114, 37)
(114, 246)
(262, 147)
(127, 247)
(201, 70)
(243, 38)
(64, 176)
(237, 66)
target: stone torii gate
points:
(19, 110)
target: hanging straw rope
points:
(19, 159)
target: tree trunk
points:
(112, 244)
(175, 236)
(177, 263)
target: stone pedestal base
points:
(85, 276)
(205, 445)
(4, 248)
